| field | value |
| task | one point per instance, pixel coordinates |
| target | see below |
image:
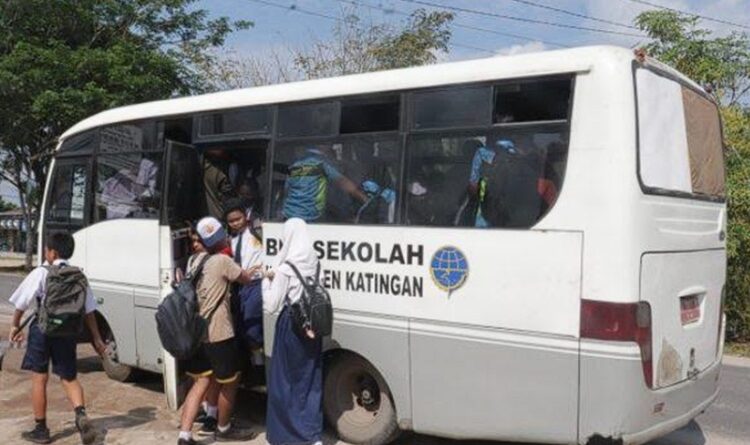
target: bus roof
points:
(498, 67)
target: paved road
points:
(724, 423)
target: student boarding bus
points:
(525, 248)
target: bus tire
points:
(357, 402)
(114, 370)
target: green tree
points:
(6, 206)
(724, 64)
(63, 60)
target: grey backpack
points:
(60, 313)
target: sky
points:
(295, 23)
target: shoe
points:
(186, 442)
(209, 427)
(40, 434)
(235, 434)
(87, 431)
(201, 417)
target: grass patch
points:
(740, 349)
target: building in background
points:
(12, 231)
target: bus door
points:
(183, 203)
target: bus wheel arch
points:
(357, 401)
(114, 370)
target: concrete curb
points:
(733, 360)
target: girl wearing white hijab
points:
(295, 385)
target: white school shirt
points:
(275, 292)
(251, 249)
(35, 286)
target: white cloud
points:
(531, 47)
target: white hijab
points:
(297, 249)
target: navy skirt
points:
(295, 387)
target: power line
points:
(710, 19)
(459, 25)
(295, 8)
(574, 14)
(520, 19)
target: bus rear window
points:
(679, 132)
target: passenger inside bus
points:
(306, 186)
(217, 183)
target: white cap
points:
(211, 231)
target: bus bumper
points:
(616, 404)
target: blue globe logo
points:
(449, 268)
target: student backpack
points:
(180, 327)
(313, 310)
(60, 313)
(508, 192)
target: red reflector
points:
(601, 320)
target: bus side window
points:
(349, 181)
(494, 179)
(127, 173)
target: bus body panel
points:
(474, 383)
(116, 303)
(684, 292)
(616, 403)
(516, 312)
(115, 252)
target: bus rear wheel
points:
(114, 369)
(358, 403)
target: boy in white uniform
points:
(247, 251)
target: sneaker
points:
(87, 431)
(235, 434)
(186, 442)
(40, 434)
(201, 417)
(209, 427)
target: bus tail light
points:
(602, 320)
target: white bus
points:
(539, 255)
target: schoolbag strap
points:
(193, 277)
(304, 282)
(317, 272)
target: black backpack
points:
(313, 310)
(60, 313)
(511, 197)
(180, 327)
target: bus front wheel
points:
(358, 403)
(114, 369)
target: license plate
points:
(690, 309)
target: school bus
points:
(539, 255)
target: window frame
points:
(82, 159)
(157, 145)
(659, 191)
(402, 135)
(197, 138)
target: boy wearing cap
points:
(216, 363)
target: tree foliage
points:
(357, 45)
(720, 62)
(724, 63)
(63, 60)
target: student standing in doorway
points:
(247, 252)
(295, 387)
(216, 362)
